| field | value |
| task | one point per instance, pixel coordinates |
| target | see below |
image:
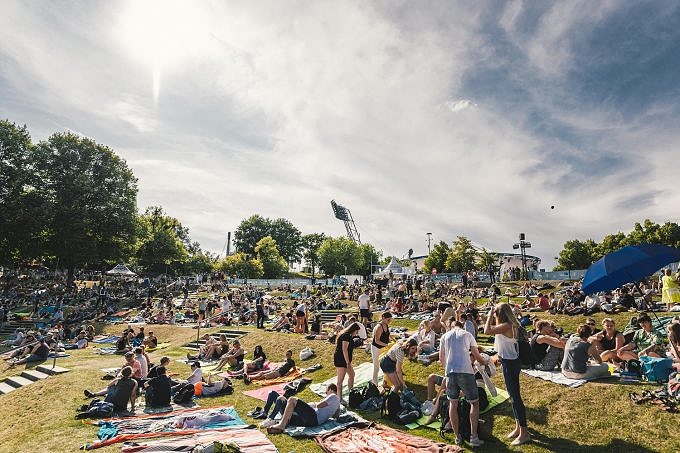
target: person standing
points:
(259, 308)
(380, 340)
(454, 354)
(342, 359)
(506, 331)
(670, 292)
(364, 307)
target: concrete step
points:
(6, 388)
(47, 369)
(18, 381)
(34, 375)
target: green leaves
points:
(288, 238)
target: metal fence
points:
(558, 275)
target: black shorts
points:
(365, 313)
(303, 415)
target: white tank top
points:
(507, 348)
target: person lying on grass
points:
(120, 391)
(272, 374)
(210, 388)
(36, 353)
(300, 413)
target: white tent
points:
(122, 270)
(395, 268)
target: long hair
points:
(259, 352)
(674, 333)
(504, 314)
(354, 327)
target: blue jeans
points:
(279, 405)
(511, 370)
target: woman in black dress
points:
(342, 359)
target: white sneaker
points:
(267, 423)
(476, 441)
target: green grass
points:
(593, 418)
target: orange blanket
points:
(291, 376)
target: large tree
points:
(268, 254)
(160, 248)
(238, 265)
(288, 238)
(310, 244)
(91, 197)
(462, 257)
(576, 254)
(369, 257)
(437, 258)
(22, 208)
(340, 256)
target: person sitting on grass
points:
(158, 388)
(392, 363)
(272, 374)
(259, 359)
(233, 357)
(150, 342)
(547, 345)
(645, 342)
(79, 343)
(120, 391)
(576, 351)
(299, 413)
(122, 345)
(608, 341)
(36, 353)
(205, 352)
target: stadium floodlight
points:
(344, 214)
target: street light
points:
(523, 245)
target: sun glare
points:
(160, 33)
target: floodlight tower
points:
(523, 244)
(342, 213)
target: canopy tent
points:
(121, 270)
(395, 268)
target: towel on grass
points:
(558, 378)
(101, 339)
(291, 376)
(59, 355)
(229, 374)
(363, 373)
(105, 351)
(163, 345)
(343, 421)
(494, 401)
(247, 440)
(192, 421)
(382, 439)
(262, 392)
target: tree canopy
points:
(288, 238)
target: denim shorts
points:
(465, 382)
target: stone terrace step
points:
(47, 369)
(18, 381)
(34, 375)
(6, 388)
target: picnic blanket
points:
(363, 373)
(163, 345)
(172, 407)
(229, 374)
(105, 351)
(343, 421)
(262, 392)
(59, 355)
(558, 378)
(115, 430)
(101, 339)
(380, 438)
(247, 440)
(494, 401)
(291, 376)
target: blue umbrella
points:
(631, 263)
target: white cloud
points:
(276, 108)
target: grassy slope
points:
(595, 417)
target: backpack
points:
(407, 416)
(370, 391)
(632, 367)
(526, 354)
(391, 405)
(185, 394)
(409, 400)
(355, 398)
(655, 369)
(463, 417)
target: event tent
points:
(121, 270)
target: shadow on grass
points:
(561, 444)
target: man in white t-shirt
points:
(365, 307)
(454, 354)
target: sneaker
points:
(459, 440)
(476, 441)
(267, 423)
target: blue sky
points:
(456, 118)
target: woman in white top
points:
(391, 364)
(506, 330)
(425, 338)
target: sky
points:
(455, 118)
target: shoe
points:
(254, 412)
(88, 394)
(246, 380)
(477, 442)
(267, 423)
(459, 440)
(260, 416)
(519, 441)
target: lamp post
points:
(429, 239)
(522, 245)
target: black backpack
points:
(184, 395)
(391, 406)
(463, 417)
(370, 391)
(356, 397)
(526, 354)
